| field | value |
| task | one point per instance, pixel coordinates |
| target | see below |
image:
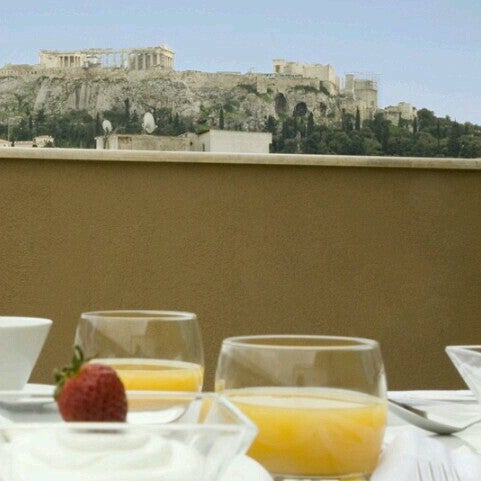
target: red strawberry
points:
(89, 392)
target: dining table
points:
(407, 446)
(409, 440)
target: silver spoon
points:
(420, 418)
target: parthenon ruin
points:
(132, 59)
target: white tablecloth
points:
(407, 447)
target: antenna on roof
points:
(148, 123)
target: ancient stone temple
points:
(132, 59)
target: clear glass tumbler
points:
(319, 402)
(150, 350)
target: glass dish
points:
(169, 436)
(150, 350)
(467, 360)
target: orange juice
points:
(313, 431)
(157, 375)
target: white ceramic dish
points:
(34, 403)
(29, 391)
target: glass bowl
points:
(467, 360)
(169, 436)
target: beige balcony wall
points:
(382, 248)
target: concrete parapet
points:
(385, 248)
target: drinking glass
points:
(150, 350)
(319, 402)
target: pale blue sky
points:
(426, 52)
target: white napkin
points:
(398, 461)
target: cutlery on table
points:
(422, 418)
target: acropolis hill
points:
(98, 80)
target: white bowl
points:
(467, 360)
(21, 341)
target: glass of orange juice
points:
(319, 402)
(150, 350)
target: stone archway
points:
(280, 104)
(300, 110)
(323, 108)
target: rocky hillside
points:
(247, 100)
(303, 114)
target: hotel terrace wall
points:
(382, 248)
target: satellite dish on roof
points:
(108, 131)
(107, 126)
(148, 123)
